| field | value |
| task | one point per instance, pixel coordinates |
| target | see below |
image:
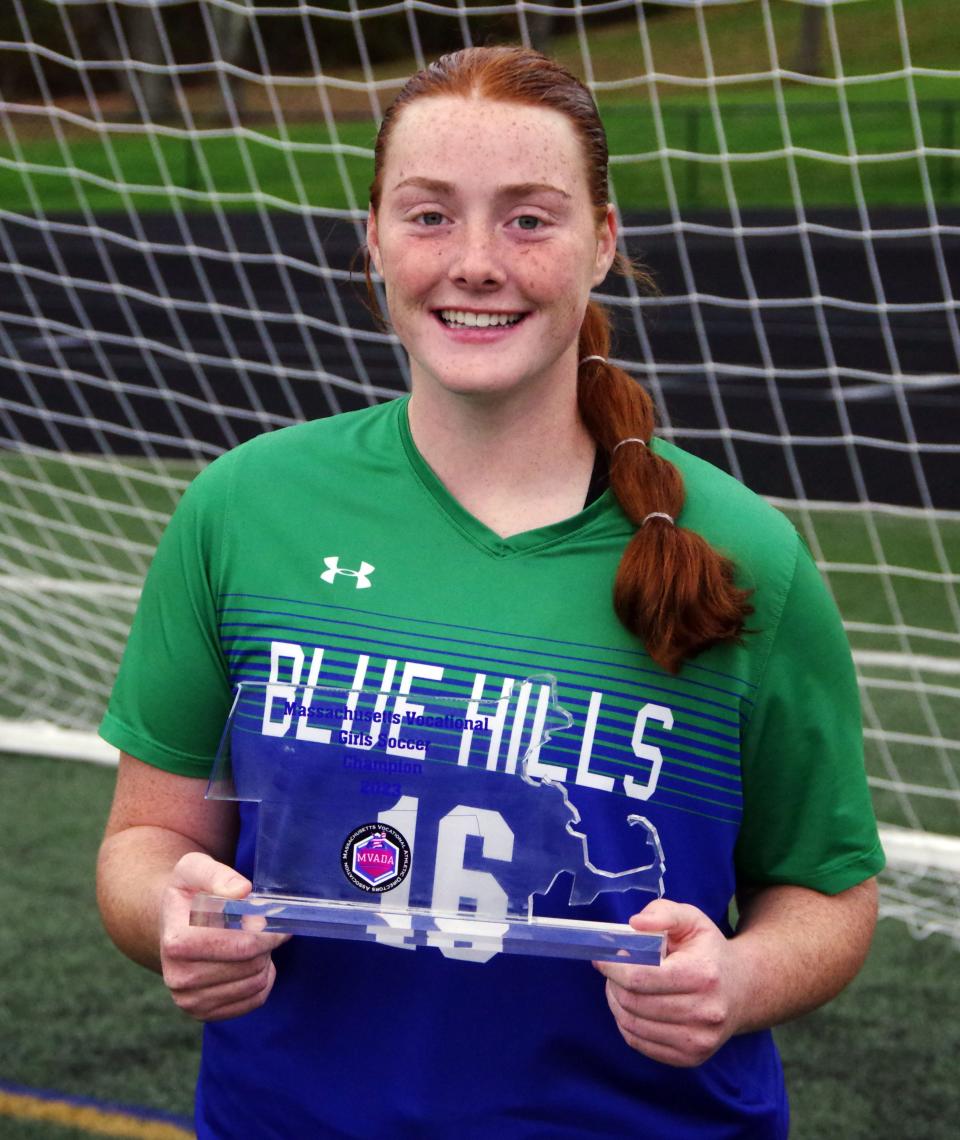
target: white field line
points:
(40, 584)
(38, 738)
(919, 849)
(923, 662)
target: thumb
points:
(198, 872)
(679, 921)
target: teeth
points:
(477, 320)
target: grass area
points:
(901, 703)
(878, 1061)
(98, 516)
(80, 1019)
(858, 541)
(736, 36)
(869, 116)
(157, 173)
(77, 1016)
(94, 521)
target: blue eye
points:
(430, 218)
(528, 222)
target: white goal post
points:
(182, 195)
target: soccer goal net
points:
(182, 195)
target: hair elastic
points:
(629, 439)
(601, 359)
(658, 515)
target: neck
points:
(515, 463)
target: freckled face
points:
(488, 243)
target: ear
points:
(373, 241)
(606, 245)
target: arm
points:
(163, 843)
(794, 949)
(799, 948)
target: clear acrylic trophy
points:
(417, 819)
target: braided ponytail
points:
(672, 589)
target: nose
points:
(475, 263)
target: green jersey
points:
(330, 554)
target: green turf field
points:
(113, 173)
(152, 174)
(80, 1019)
(911, 546)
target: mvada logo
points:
(375, 857)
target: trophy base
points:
(459, 935)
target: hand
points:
(683, 1010)
(212, 974)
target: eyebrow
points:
(514, 190)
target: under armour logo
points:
(333, 569)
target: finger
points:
(664, 1053)
(670, 1009)
(670, 978)
(205, 944)
(671, 1044)
(189, 974)
(227, 1000)
(192, 981)
(651, 1032)
(640, 979)
(229, 1012)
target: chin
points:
(487, 386)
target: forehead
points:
(475, 141)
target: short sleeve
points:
(808, 818)
(172, 694)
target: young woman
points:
(464, 533)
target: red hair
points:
(672, 589)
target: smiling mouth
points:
(459, 319)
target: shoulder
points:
(340, 445)
(720, 507)
(348, 433)
(735, 520)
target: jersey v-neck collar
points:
(472, 528)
